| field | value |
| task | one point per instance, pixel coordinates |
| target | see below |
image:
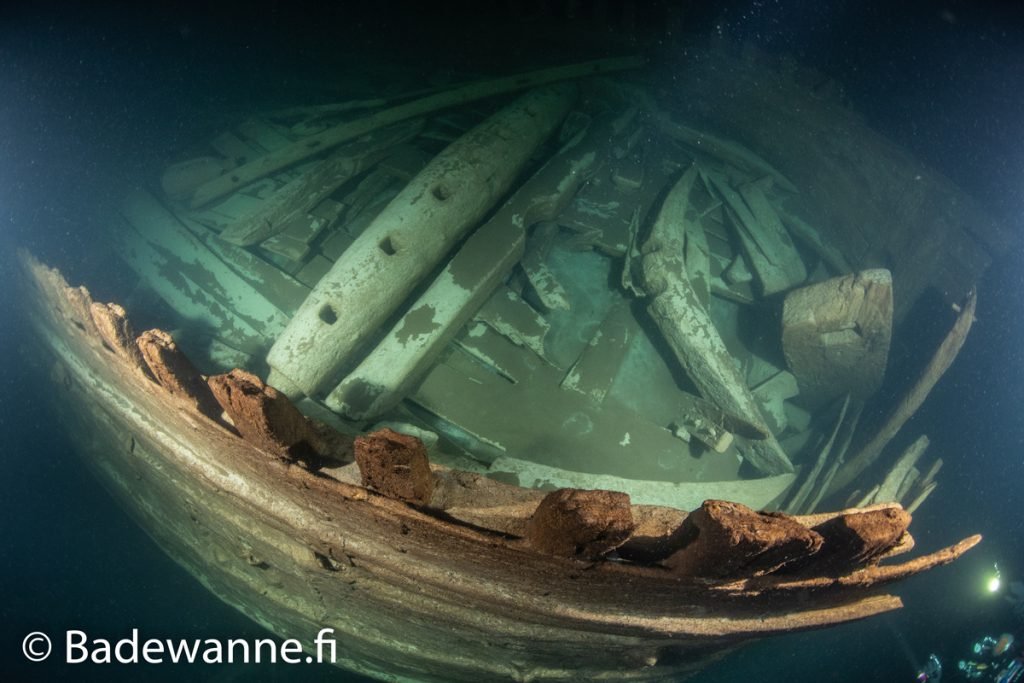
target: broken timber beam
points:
(937, 366)
(321, 142)
(690, 332)
(408, 238)
(400, 360)
(316, 184)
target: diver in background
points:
(995, 660)
(1000, 660)
(931, 671)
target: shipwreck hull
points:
(412, 593)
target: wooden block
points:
(395, 465)
(731, 541)
(835, 335)
(580, 524)
(311, 273)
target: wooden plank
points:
(159, 270)
(264, 135)
(507, 314)
(183, 249)
(732, 153)
(547, 290)
(321, 142)
(771, 277)
(594, 371)
(279, 287)
(307, 189)
(539, 421)
(772, 238)
(496, 352)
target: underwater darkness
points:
(91, 99)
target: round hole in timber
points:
(387, 246)
(328, 315)
(441, 192)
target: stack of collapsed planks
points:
(442, 263)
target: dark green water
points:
(90, 99)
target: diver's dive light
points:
(995, 581)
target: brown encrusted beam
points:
(861, 578)
(268, 420)
(728, 540)
(857, 540)
(395, 465)
(175, 372)
(581, 524)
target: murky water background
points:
(92, 99)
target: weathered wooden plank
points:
(497, 352)
(594, 371)
(539, 421)
(771, 276)
(772, 238)
(160, 269)
(316, 144)
(166, 233)
(280, 288)
(507, 314)
(293, 201)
